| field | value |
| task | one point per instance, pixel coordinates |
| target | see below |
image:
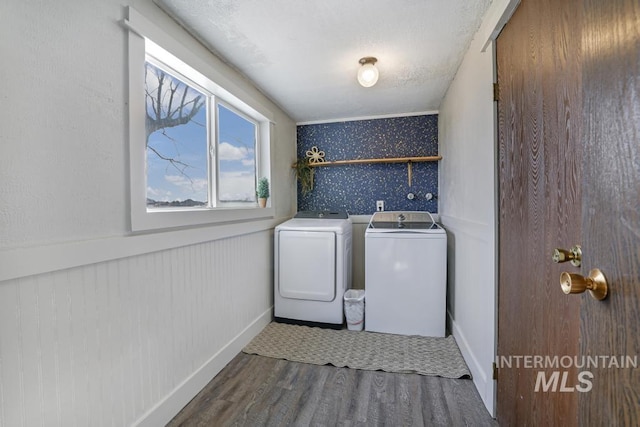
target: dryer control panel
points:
(322, 214)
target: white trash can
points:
(354, 309)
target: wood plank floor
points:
(261, 391)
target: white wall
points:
(468, 201)
(64, 133)
(98, 326)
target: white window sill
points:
(159, 219)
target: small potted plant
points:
(263, 191)
(304, 173)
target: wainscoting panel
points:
(110, 343)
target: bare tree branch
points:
(179, 165)
(168, 106)
(181, 114)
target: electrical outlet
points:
(380, 205)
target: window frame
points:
(145, 37)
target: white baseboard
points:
(482, 378)
(168, 407)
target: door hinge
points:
(495, 371)
(496, 92)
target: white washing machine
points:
(405, 274)
(312, 266)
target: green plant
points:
(304, 174)
(263, 188)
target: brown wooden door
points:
(569, 173)
(540, 205)
(611, 208)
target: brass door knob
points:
(563, 255)
(576, 284)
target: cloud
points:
(234, 186)
(227, 151)
(160, 194)
(185, 188)
(184, 182)
(233, 175)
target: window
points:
(200, 152)
(196, 149)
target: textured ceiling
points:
(304, 54)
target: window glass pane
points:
(236, 157)
(177, 148)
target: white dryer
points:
(312, 267)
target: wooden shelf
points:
(408, 160)
(387, 160)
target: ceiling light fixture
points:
(368, 73)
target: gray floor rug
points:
(361, 350)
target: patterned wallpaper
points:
(356, 188)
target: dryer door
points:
(307, 265)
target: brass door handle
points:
(596, 283)
(563, 255)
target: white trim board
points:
(22, 262)
(383, 116)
